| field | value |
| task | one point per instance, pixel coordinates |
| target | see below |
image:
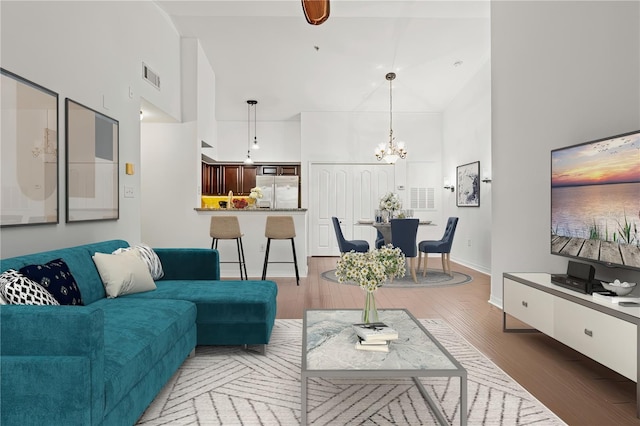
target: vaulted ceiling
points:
(266, 50)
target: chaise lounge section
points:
(103, 363)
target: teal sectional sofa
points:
(103, 363)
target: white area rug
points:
(230, 386)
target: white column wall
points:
(562, 73)
(467, 138)
(92, 52)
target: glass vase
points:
(370, 312)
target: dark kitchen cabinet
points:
(211, 179)
(280, 170)
(219, 179)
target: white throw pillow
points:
(150, 258)
(123, 273)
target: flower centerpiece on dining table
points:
(370, 270)
(391, 203)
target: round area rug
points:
(434, 278)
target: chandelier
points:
(392, 151)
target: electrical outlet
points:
(469, 242)
(128, 192)
(262, 248)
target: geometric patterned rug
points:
(434, 278)
(225, 385)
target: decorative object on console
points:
(29, 147)
(619, 288)
(370, 270)
(392, 151)
(468, 183)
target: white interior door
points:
(351, 193)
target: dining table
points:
(385, 227)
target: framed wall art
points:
(92, 164)
(468, 185)
(29, 151)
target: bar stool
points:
(280, 228)
(228, 228)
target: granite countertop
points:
(258, 210)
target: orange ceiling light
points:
(316, 11)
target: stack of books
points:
(374, 336)
(609, 296)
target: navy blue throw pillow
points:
(56, 278)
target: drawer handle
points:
(525, 304)
(588, 332)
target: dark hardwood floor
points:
(577, 389)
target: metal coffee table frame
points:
(414, 373)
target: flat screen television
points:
(595, 201)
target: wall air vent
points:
(151, 76)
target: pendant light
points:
(255, 124)
(248, 160)
(391, 152)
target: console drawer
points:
(604, 338)
(529, 305)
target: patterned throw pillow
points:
(56, 278)
(150, 258)
(17, 289)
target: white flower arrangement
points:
(371, 269)
(256, 193)
(390, 202)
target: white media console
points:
(603, 331)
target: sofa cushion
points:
(57, 279)
(137, 334)
(123, 273)
(229, 312)
(17, 289)
(149, 257)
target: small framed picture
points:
(468, 185)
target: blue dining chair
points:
(379, 239)
(347, 245)
(442, 245)
(403, 235)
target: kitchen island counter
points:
(252, 225)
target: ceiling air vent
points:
(151, 76)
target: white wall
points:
(279, 141)
(467, 138)
(74, 49)
(562, 73)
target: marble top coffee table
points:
(328, 350)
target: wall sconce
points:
(128, 168)
(486, 176)
(448, 185)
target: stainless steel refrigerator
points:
(278, 192)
